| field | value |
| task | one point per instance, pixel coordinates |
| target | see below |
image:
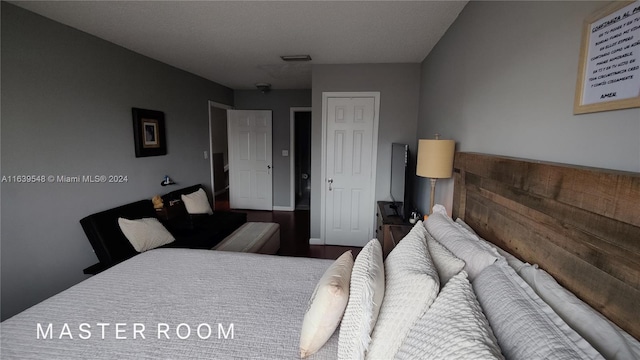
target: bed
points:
(264, 297)
(582, 225)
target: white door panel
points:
(250, 155)
(350, 183)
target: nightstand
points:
(390, 229)
(398, 232)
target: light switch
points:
(206, 155)
(285, 152)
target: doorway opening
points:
(302, 166)
(300, 158)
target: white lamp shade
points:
(435, 158)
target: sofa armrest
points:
(96, 268)
(102, 229)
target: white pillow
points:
(447, 264)
(525, 326)
(197, 202)
(593, 326)
(515, 263)
(365, 298)
(412, 285)
(326, 305)
(145, 234)
(444, 230)
(454, 327)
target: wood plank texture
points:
(582, 225)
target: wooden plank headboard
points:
(582, 225)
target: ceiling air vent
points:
(296, 58)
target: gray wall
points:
(66, 110)
(280, 102)
(399, 86)
(502, 81)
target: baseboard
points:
(282, 208)
(316, 241)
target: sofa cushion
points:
(204, 231)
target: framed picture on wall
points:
(609, 67)
(148, 132)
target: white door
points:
(250, 173)
(351, 143)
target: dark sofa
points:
(190, 231)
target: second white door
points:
(250, 172)
(351, 142)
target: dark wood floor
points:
(294, 234)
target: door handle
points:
(330, 181)
(269, 169)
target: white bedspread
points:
(263, 296)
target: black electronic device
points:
(400, 181)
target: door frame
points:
(292, 152)
(219, 106)
(374, 153)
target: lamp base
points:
(433, 194)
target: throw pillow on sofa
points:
(197, 203)
(145, 234)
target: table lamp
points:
(435, 161)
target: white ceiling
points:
(239, 43)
